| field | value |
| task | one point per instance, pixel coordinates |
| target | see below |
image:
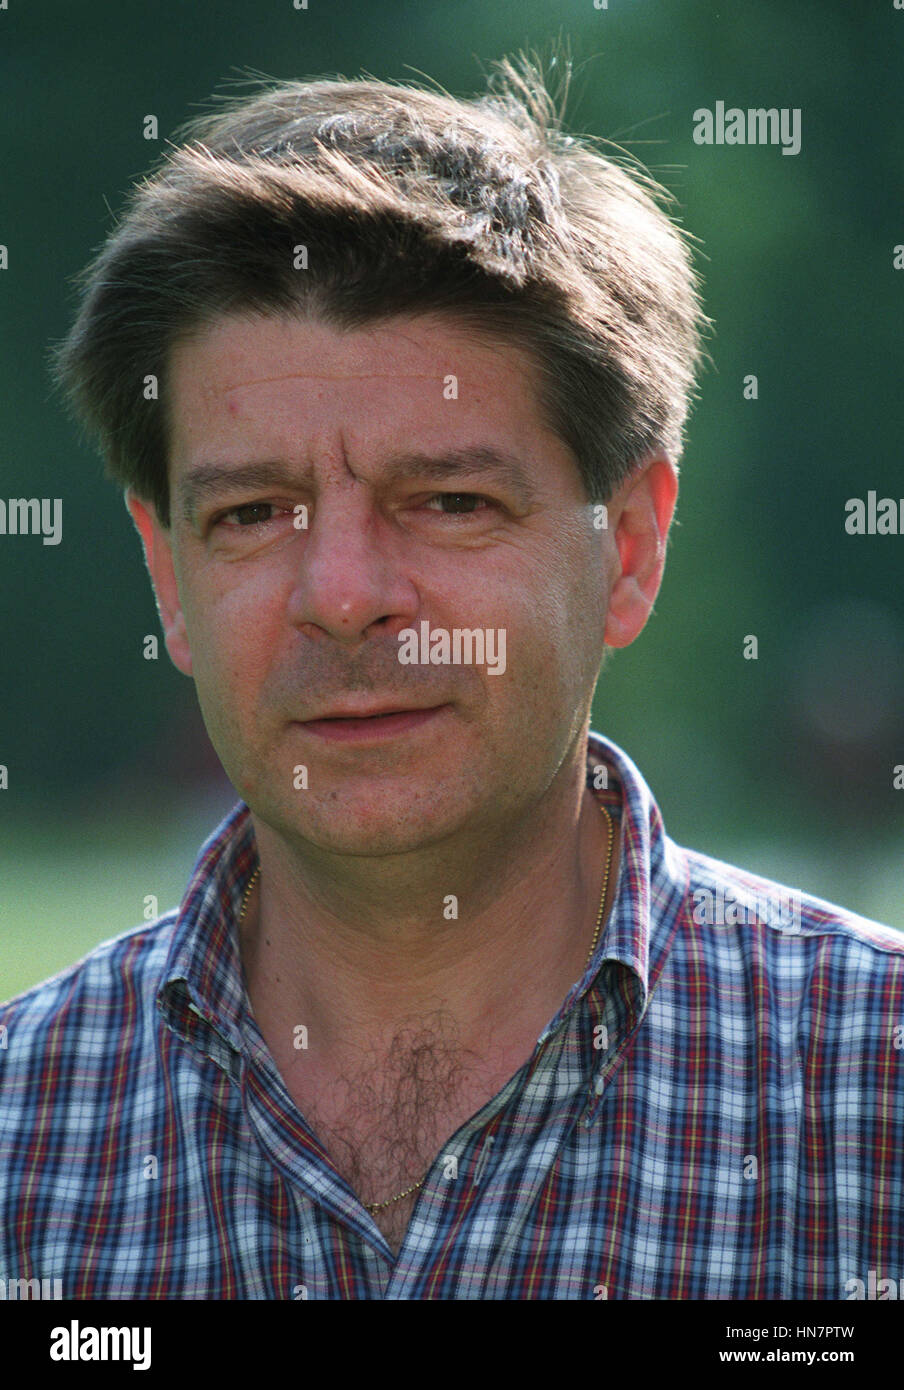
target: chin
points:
(366, 825)
(374, 839)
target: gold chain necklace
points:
(374, 1207)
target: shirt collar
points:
(204, 979)
(204, 983)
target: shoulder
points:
(721, 895)
(109, 990)
(774, 951)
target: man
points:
(395, 386)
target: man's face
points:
(281, 623)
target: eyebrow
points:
(209, 481)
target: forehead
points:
(247, 376)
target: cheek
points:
(227, 640)
(560, 585)
(540, 641)
(568, 615)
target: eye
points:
(248, 514)
(456, 498)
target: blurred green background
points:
(783, 765)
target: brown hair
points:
(407, 200)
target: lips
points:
(374, 726)
(373, 713)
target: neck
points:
(354, 947)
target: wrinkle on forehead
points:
(326, 376)
(239, 345)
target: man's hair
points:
(407, 201)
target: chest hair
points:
(384, 1119)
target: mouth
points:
(371, 728)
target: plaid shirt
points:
(716, 1111)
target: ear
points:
(158, 557)
(640, 514)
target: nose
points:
(350, 580)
